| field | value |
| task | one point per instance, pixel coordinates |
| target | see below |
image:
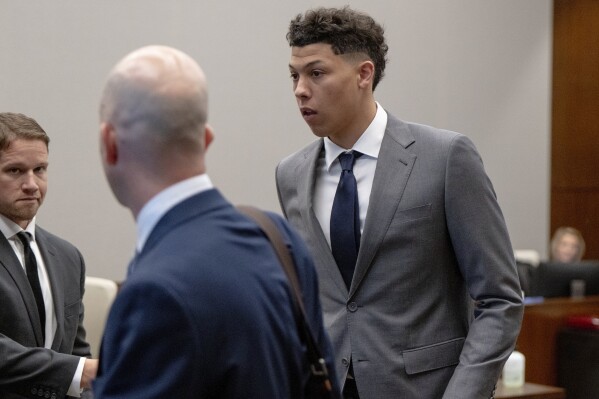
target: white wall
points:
(478, 67)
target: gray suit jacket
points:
(26, 368)
(434, 307)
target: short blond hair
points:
(15, 126)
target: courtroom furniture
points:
(97, 300)
(554, 279)
(540, 328)
(529, 391)
(529, 256)
(578, 361)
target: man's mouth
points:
(306, 112)
(28, 199)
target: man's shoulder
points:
(280, 222)
(299, 156)
(291, 168)
(294, 241)
(419, 130)
(47, 238)
(422, 139)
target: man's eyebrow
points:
(308, 65)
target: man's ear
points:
(108, 144)
(208, 136)
(365, 74)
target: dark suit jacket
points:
(207, 312)
(433, 241)
(26, 368)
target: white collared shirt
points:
(328, 171)
(162, 202)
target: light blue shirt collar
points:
(162, 202)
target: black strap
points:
(318, 365)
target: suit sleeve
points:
(485, 258)
(29, 370)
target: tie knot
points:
(24, 237)
(346, 159)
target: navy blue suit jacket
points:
(207, 312)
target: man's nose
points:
(30, 182)
(301, 88)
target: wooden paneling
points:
(575, 120)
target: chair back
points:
(98, 297)
(530, 256)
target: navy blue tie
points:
(345, 219)
(34, 281)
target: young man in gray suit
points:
(43, 352)
(417, 276)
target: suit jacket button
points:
(34, 391)
(345, 362)
(352, 307)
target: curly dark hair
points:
(346, 30)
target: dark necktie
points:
(34, 281)
(345, 219)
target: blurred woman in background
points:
(567, 245)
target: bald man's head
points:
(158, 91)
(153, 130)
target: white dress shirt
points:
(10, 230)
(328, 172)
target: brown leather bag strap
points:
(317, 364)
(274, 236)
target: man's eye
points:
(14, 171)
(293, 76)
(316, 73)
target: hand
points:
(90, 368)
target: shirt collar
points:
(162, 202)
(10, 228)
(369, 142)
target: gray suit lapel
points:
(305, 192)
(56, 283)
(16, 271)
(392, 172)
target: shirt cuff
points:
(75, 388)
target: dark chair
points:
(578, 362)
(525, 274)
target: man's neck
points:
(360, 123)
